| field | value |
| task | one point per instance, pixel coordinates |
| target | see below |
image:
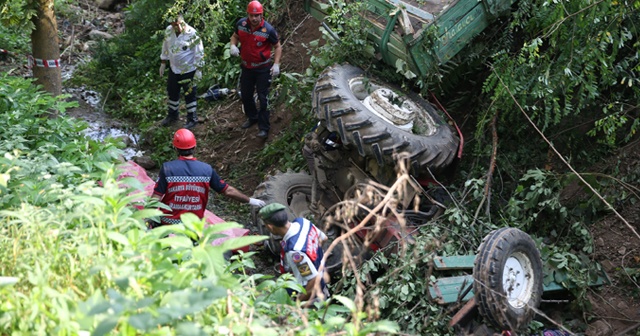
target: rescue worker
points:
(184, 184)
(260, 53)
(301, 252)
(183, 49)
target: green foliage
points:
(541, 204)
(579, 71)
(401, 290)
(537, 208)
(18, 14)
(104, 272)
(573, 270)
(15, 41)
(576, 59)
(347, 42)
(631, 277)
(536, 204)
(161, 140)
(125, 69)
(42, 153)
(76, 256)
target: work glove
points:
(198, 75)
(275, 70)
(234, 51)
(162, 67)
(257, 202)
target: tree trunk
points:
(44, 45)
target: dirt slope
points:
(616, 308)
(297, 28)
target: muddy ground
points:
(616, 307)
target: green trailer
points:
(424, 34)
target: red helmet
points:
(254, 7)
(184, 139)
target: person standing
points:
(301, 252)
(260, 53)
(184, 184)
(183, 49)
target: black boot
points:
(248, 123)
(192, 121)
(168, 121)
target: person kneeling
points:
(301, 245)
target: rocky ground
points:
(615, 307)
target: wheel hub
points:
(392, 107)
(516, 280)
(397, 110)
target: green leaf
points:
(4, 179)
(258, 329)
(143, 321)
(146, 213)
(177, 242)
(335, 309)
(165, 230)
(211, 258)
(193, 223)
(105, 326)
(346, 302)
(281, 296)
(189, 329)
(99, 308)
(219, 227)
(118, 238)
(122, 282)
(238, 242)
(382, 327)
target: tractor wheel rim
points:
(517, 280)
(394, 109)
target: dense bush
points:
(77, 258)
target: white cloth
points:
(184, 52)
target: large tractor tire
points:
(379, 120)
(508, 279)
(294, 191)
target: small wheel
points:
(508, 278)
